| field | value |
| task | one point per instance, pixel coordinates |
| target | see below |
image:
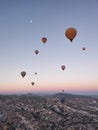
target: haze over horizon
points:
(24, 23)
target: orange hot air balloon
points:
(36, 52)
(23, 73)
(44, 39)
(32, 83)
(83, 48)
(63, 67)
(70, 33)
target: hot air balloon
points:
(36, 52)
(44, 39)
(63, 91)
(62, 100)
(83, 48)
(32, 83)
(63, 67)
(35, 73)
(70, 33)
(23, 73)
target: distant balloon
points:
(32, 83)
(23, 73)
(62, 100)
(44, 39)
(70, 33)
(63, 67)
(63, 91)
(36, 52)
(35, 73)
(83, 48)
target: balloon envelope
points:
(62, 99)
(23, 73)
(83, 48)
(63, 91)
(32, 83)
(70, 33)
(35, 73)
(63, 67)
(44, 39)
(36, 51)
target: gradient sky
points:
(22, 25)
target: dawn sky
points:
(23, 23)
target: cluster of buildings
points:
(29, 112)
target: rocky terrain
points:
(33, 112)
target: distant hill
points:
(46, 95)
(94, 96)
(67, 95)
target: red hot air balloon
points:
(23, 73)
(70, 33)
(36, 52)
(44, 40)
(63, 67)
